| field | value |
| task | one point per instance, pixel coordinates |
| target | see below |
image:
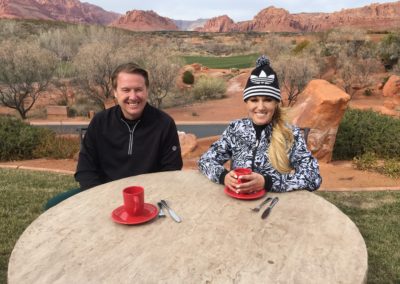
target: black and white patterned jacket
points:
(238, 143)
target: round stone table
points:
(305, 239)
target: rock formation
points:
(374, 17)
(57, 10)
(219, 24)
(392, 87)
(188, 143)
(320, 107)
(138, 20)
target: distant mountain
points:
(57, 10)
(138, 20)
(190, 25)
(374, 17)
(271, 19)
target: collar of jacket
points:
(267, 129)
(145, 114)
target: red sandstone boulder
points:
(320, 107)
(392, 87)
(188, 143)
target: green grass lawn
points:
(238, 61)
(377, 215)
(22, 196)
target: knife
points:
(269, 208)
(171, 212)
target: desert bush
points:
(64, 43)
(355, 69)
(368, 92)
(56, 147)
(21, 141)
(187, 77)
(82, 105)
(18, 139)
(275, 46)
(294, 73)
(389, 50)
(361, 132)
(366, 161)
(209, 88)
(369, 161)
(300, 46)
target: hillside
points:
(57, 10)
(374, 17)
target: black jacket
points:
(113, 149)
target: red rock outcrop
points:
(374, 17)
(137, 20)
(392, 87)
(320, 107)
(219, 24)
(58, 10)
(188, 143)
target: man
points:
(128, 139)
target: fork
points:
(161, 212)
(256, 209)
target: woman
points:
(264, 142)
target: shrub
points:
(368, 92)
(366, 161)
(369, 161)
(209, 88)
(366, 131)
(301, 46)
(18, 139)
(188, 77)
(56, 147)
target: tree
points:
(25, 73)
(163, 68)
(356, 68)
(294, 73)
(94, 65)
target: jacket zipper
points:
(254, 154)
(131, 131)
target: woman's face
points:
(261, 109)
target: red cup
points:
(241, 172)
(133, 200)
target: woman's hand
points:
(249, 183)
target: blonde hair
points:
(281, 142)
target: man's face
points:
(131, 94)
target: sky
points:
(238, 10)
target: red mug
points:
(241, 172)
(133, 200)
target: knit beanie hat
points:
(262, 81)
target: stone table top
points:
(305, 239)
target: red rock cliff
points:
(138, 20)
(271, 19)
(58, 10)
